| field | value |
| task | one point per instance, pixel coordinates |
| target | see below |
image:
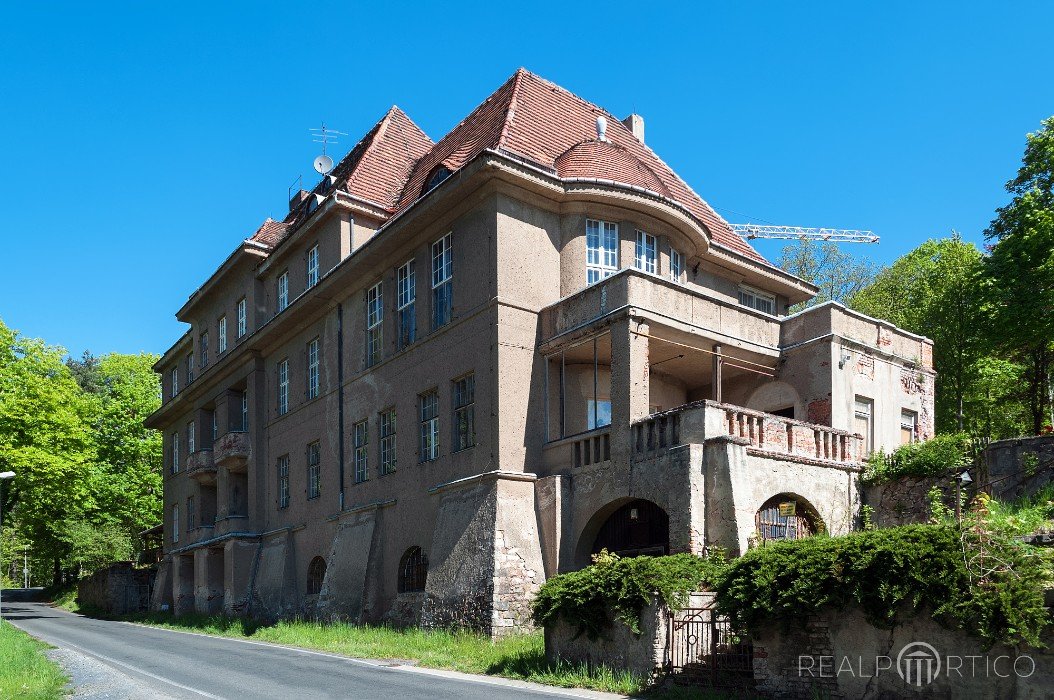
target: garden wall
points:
(619, 648)
(1019, 467)
(118, 589)
(904, 501)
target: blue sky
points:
(141, 144)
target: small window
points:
(283, 481)
(676, 265)
(312, 267)
(191, 438)
(429, 410)
(282, 292)
(601, 250)
(175, 453)
(464, 412)
(646, 252)
(405, 302)
(314, 470)
(316, 575)
(909, 426)
(191, 513)
(175, 523)
(203, 345)
(599, 413)
(755, 299)
(221, 335)
(442, 282)
(374, 318)
(175, 381)
(312, 369)
(360, 440)
(215, 427)
(440, 174)
(242, 321)
(863, 422)
(413, 571)
(245, 411)
(388, 454)
(190, 368)
(283, 387)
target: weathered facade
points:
(457, 368)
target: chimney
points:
(635, 123)
(297, 199)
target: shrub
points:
(619, 588)
(942, 455)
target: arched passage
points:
(786, 516)
(629, 528)
(316, 574)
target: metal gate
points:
(703, 648)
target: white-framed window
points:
(314, 470)
(601, 250)
(175, 522)
(864, 422)
(221, 335)
(312, 267)
(374, 319)
(203, 346)
(175, 453)
(283, 387)
(429, 417)
(283, 481)
(312, 369)
(282, 292)
(215, 427)
(192, 445)
(676, 265)
(175, 381)
(190, 368)
(442, 282)
(360, 442)
(464, 395)
(192, 513)
(406, 290)
(646, 252)
(241, 317)
(757, 299)
(387, 433)
(909, 426)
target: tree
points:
(1019, 273)
(837, 273)
(932, 291)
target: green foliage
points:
(943, 455)
(26, 672)
(1025, 516)
(838, 274)
(619, 588)
(92, 547)
(890, 572)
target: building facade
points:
(457, 368)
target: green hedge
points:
(944, 454)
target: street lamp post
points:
(961, 481)
(3, 477)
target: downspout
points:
(340, 400)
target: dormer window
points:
(757, 299)
(438, 175)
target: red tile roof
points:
(378, 167)
(270, 233)
(540, 121)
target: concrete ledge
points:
(480, 478)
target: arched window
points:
(636, 529)
(786, 517)
(413, 571)
(316, 574)
(438, 175)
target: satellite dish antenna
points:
(323, 164)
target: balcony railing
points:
(769, 433)
(232, 450)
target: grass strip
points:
(24, 670)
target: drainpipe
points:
(340, 399)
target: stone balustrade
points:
(201, 466)
(232, 450)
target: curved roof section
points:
(607, 161)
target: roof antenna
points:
(325, 136)
(602, 128)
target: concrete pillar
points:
(715, 377)
(201, 580)
(630, 392)
(347, 227)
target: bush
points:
(944, 454)
(891, 571)
(614, 587)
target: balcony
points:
(201, 467)
(232, 451)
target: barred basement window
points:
(283, 481)
(601, 250)
(413, 571)
(360, 440)
(464, 412)
(314, 470)
(316, 575)
(429, 410)
(374, 318)
(442, 282)
(406, 298)
(388, 456)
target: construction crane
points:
(792, 233)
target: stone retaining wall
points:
(118, 589)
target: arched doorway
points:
(636, 529)
(786, 517)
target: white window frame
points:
(387, 430)
(406, 299)
(242, 320)
(192, 442)
(361, 442)
(314, 470)
(909, 420)
(601, 250)
(283, 387)
(756, 299)
(676, 264)
(374, 324)
(442, 282)
(864, 409)
(428, 415)
(283, 481)
(203, 347)
(282, 293)
(646, 253)
(245, 411)
(175, 380)
(175, 452)
(221, 335)
(312, 266)
(312, 369)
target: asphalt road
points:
(182, 665)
